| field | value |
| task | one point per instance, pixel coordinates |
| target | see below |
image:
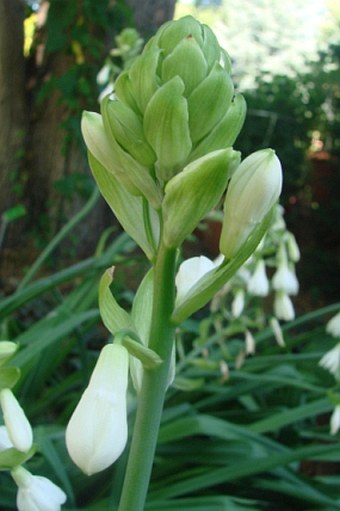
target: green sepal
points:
(166, 127)
(149, 358)
(9, 377)
(127, 208)
(204, 290)
(143, 77)
(130, 169)
(7, 351)
(127, 129)
(225, 132)
(11, 458)
(209, 102)
(114, 317)
(186, 61)
(190, 195)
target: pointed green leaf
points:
(123, 91)
(166, 128)
(143, 78)
(114, 317)
(127, 208)
(190, 195)
(209, 102)
(148, 358)
(210, 48)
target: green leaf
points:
(114, 317)
(147, 357)
(191, 194)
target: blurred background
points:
(57, 57)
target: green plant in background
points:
(162, 158)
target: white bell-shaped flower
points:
(17, 425)
(37, 493)
(189, 273)
(237, 305)
(284, 279)
(283, 306)
(331, 361)
(277, 331)
(97, 431)
(333, 325)
(258, 284)
(335, 420)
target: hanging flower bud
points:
(254, 188)
(331, 361)
(189, 272)
(97, 431)
(37, 493)
(283, 306)
(237, 305)
(333, 325)
(258, 284)
(18, 428)
(284, 279)
(335, 420)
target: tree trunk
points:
(149, 15)
(12, 100)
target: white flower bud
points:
(277, 331)
(293, 248)
(5, 442)
(333, 325)
(335, 420)
(258, 284)
(284, 279)
(254, 188)
(237, 305)
(331, 361)
(283, 306)
(97, 432)
(18, 428)
(250, 343)
(190, 272)
(37, 493)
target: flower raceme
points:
(97, 431)
(253, 190)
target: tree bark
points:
(12, 98)
(149, 15)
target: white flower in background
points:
(250, 343)
(331, 361)
(293, 248)
(285, 279)
(17, 425)
(5, 442)
(283, 306)
(277, 331)
(97, 432)
(189, 273)
(258, 284)
(237, 305)
(37, 493)
(333, 325)
(335, 420)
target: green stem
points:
(151, 398)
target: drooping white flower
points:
(283, 306)
(277, 331)
(97, 431)
(284, 279)
(333, 325)
(258, 284)
(17, 425)
(254, 188)
(237, 305)
(293, 248)
(331, 361)
(250, 343)
(335, 420)
(37, 493)
(189, 273)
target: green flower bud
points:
(254, 188)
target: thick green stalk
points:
(151, 398)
